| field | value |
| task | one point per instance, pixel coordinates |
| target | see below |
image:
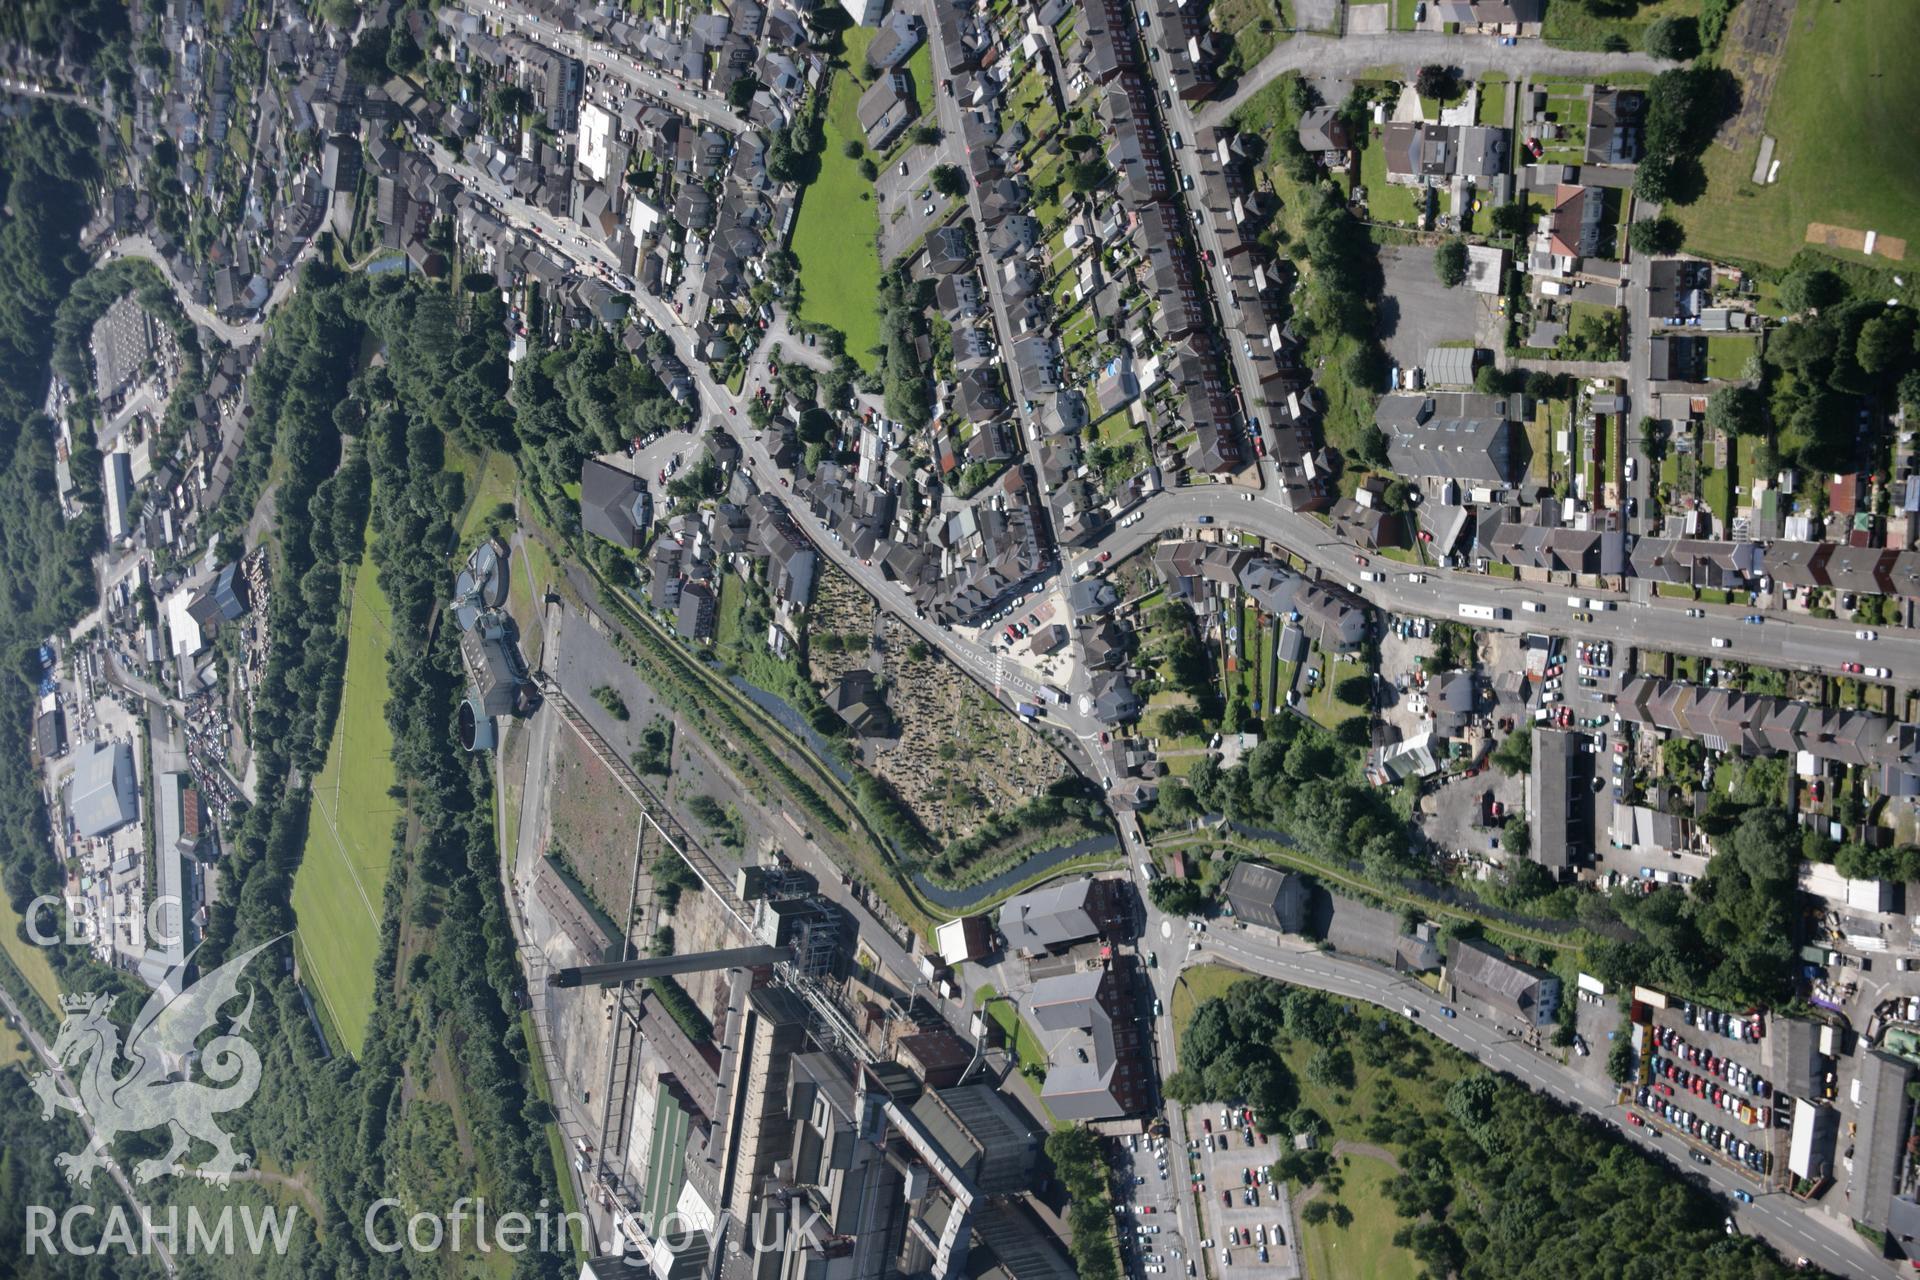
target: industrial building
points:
(105, 793)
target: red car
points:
(1105, 556)
(1635, 1120)
(1853, 667)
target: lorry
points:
(1058, 695)
(1485, 612)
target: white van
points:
(1533, 606)
(1576, 602)
(1600, 606)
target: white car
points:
(1719, 642)
(1880, 673)
(1866, 635)
(1696, 613)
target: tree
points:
(1181, 722)
(1885, 347)
(1176, 896)
(1302, 96)
(740, 94)
(1330, 1068)
(1450, 262)
(1674, 39)
(1517, 839)
(853, 149)
(1737, 411)
(1653, 180)
(1620, 1059)
(403, 54)
(1373, 446)
(1811, 289)
(511, 101)
(1656, 236)
(948, 180)
(1514, 218)
(926, 135)
(1355, 691)
(1515, 754)
(1434, 81)
(1089, 174)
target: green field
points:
(30, 960)
(837, 234)
(1198, 985)
(1845, 114)
(1026, 1046)
(493, 486)
(343, 873)
(1363, 1249)
(1386, 202)
(1573, 26)
(1727, 356)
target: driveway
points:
(1419, 313)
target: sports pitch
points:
(343, 873)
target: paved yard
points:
(1418, 312)
(1148, 1226)
(1251, 1205)
(1758, 1058)
(903, 219)
(1362, 19)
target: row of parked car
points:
(1740, 1077)
(1734, 1026)
(1700, 1087)
(1741, 1151)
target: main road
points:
(1794, 1228)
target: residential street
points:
(1660, 623)
(693, 102)
(1356, 55)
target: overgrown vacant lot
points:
(960, 757)
(343, 873)
(591, 822)
(1846, 117)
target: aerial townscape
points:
(960, 639)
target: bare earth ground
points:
(1892, 248)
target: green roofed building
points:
(667, 1166)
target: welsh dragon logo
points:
(159, 1089)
